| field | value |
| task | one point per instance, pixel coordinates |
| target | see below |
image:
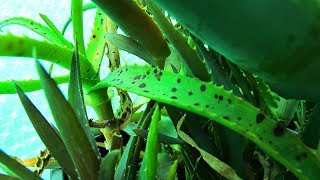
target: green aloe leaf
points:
(173, 170)
(6, 87)
(108, 165)
(85, 7)
(137, 24)
(263, 40)
(148, 169)
(75, 98)
(122, 167)
(222, 106)
(48, 134)
(97, 43)
(38, 28)
(15, 168)
(55, 30)
(83, 156)
(162, 138)
(192, 62)
(310, 133)
(216, 164)
(7, 177)
(22, 47)
(77, 23)
(131, 46)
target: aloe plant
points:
(213, 111)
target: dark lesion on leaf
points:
(279, 130)
(142, 85)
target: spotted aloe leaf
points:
(221, 106)
(22, 46)
(138, 25)
(28, 85)
(38, 28)
(97, 43)
(55, 30)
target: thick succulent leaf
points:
(108, 165)
(310, 134)
(28, 85)
(97, 43)
(22, 46)
(263, 40)
(72, 133)
(40, 29)
(148, 169)
(76, 100)
(138, 25)
(7, 177)
(77, 24)
(55, 30)
(222, 106)
(162, 138)
(85, 7)
(15, 168)
(122, 167)
(131, 46)
(48, 134)
(191, 61)
(173, 170)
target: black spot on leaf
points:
(203, 87)
(259, 118)
(216, 96)
(155, 71)
(301, 156)
(178, 80)
(226, 117)
(144, 76)
(174, 89)
(158, 76)
(196, 104)
(145, 91)
(142, 85)
(148, 72)
(238, 118)
(137, 77)
(190, 93)
(229, 101)
(207, 105)
(278, 130)
(220, 98)
(173, 97)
